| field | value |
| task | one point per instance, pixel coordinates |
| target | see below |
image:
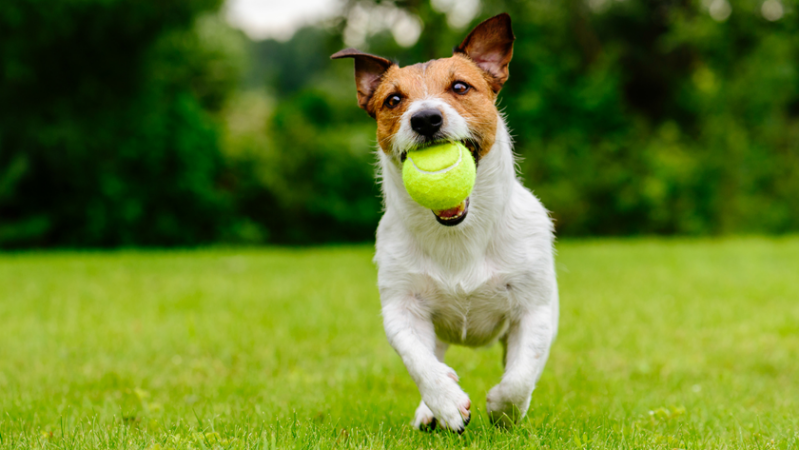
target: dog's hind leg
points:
(526, 350)
(424, 419)
(413, 337)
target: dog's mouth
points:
(470, 144)
(453, 216)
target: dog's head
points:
(448, 99)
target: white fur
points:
(491, 277)
(454, 125)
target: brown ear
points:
(369, 69)
(490, 46)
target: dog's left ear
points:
(369, 70)
(490, 46)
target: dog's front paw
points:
(447, 402)
(424, 419)
(506, 407)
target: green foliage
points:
(655, 118)
(300, 162)
(323, 176)
(130, 123)
(629, 117)
(314, 180)
(285, 348)
(105, 132)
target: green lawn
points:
(663, 344)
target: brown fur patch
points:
(434, 79)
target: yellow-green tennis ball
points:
(439, 177)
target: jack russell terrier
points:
(478, 273)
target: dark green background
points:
(144, 123)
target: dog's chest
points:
(470, 312)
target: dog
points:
(479, 273)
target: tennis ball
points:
(439, 177)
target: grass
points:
(663, 344)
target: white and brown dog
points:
(475, 274)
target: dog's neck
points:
(456, 247)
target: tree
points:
(106, 136)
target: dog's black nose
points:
(427, 122)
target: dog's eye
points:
(392, 101)
(460, 88)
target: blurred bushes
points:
(301, 153)
(136, 123)
(654, 117)
(312, 179)
(106, 130)
(629, 117)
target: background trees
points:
(131, 123)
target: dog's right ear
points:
(490, 46)
(369, 70)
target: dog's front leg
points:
(410, 331)
(526, 350)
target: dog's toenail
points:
(428, 426)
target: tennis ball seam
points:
(444, 170)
